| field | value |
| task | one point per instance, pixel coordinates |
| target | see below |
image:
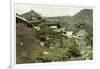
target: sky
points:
(46, 10)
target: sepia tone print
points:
(53, 34)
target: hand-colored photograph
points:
(48, 33)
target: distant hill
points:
(30, 14)
(83, 19)
(85, 15)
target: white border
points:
(37, 65)
(13, 32)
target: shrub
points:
(73, 51)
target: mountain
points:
(85, 15)
(30, 14)
(81, 20)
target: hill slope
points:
(83, 20)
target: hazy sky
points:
(47, 11)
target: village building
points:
(32, 17)
(53, 23)
(68, 34)
(20, 19)
(32, 23)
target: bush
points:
(73, 51)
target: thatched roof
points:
(20, 19)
